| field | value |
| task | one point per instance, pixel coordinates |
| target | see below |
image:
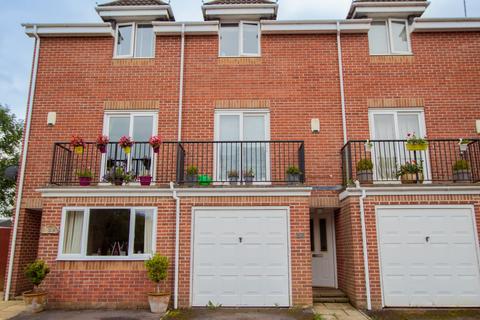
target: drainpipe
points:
(342, 87)
(180, 97)
(364, 244)
(23, 162)
(177, 242)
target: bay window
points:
(240, 39)
(134, 40)
(107, 233)
(389, 37)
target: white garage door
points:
(428, 257)
(240, 257)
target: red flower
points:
(125, 142)
(155, 141)
(77, 141)
(102, 140)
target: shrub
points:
(293, 170)
(36, 272)
(233, 174)
(461, 165)
(157, 268)
(249, 173)
(410, 167)
(192, 170)
(365, 165)
(85, 173)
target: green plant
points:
(317, 317)
(465, 141)
(233, 174)
(192, 170)
(293, 170)
(412, 139)
(36, 272)
(461, 165)
(365, 165)
(410, 168)
(157, 267)
(212, 306)
(249, 173)
(119, 173)
(85, 173)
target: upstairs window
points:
(134, 41)
(389, 37)
(240, 39)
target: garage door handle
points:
(427, 239)
(240, 239)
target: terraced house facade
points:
(293, 157)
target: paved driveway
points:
(418, 314)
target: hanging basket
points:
(156, 149)
(78, 149)
(127, 150)
(102, 148)
(417, 147)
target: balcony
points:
(234, 163)
(445, 161)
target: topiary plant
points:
(157, 268)
(365, 165)
(36, 272)
(461, 165)
(293, 170)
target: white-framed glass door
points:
(391, 126)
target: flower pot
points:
(35, 301)
(417, 147)
(158, 302)
(365, 176)
(84, 181)
(233, 181)
(78, 149)
(156, 149)
(248, 180)
(127, 150)
(368, 147)
(191, 179)
(204, 180)
(462, 176)
(463, 147)
(411, 178)
(145, 180)
(293, 179)
(118, 181)
(102, 148)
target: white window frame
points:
(241, 53)
(390, 46)
(132, 114)
(241, 113)
(86, 219)
(134, 41)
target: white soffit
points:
(316, 26)
(389, 9)
(199, 28)
(69, 30)
(446, 24)
(235, 12)
(135, 13)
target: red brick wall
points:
(125, 284)
(4, 243)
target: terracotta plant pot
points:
(365, 177)
(118, 182)
(35, 301)
(411, 178)
(145, 180)
(159, 302)
(84, 181)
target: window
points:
(140, 126)
(135, 40)
(100, 233)
(389, 37)
(242, 146)
(240, 39)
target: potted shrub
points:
(365, 171)
(78, 144)
(36, 300)
(461, 171)
(293, 175)
(233, 177)
(410, 171)
(192, 174)
(205, 180)
(248, 176)
(126, 144)
(146, 178)
(157, 268)
(85, 177)
(463, 144)
(118, 176)
(155, 143)
(368, 146)
(102, 142)
(415, 143)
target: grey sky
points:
(16, 48)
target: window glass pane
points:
(323, 235)
(119, 126)
(108, 232)
(378, 38)
(141, 152)
(255, 153)
(73, 229)
(145, 41)
(124, 40)
(250, 38)
(399, 36)
(229, 128)
(384, 127)
(143, 232)
(229, 35)
(254, 127)
(408, 123)
(229, 153)
(142, 128)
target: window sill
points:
(392, 58)
(242, 60)
(105, 259)
(133, 61)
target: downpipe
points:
(342, 84)
(177, 242)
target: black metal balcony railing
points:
(184, 162)
(387, 157)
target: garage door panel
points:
(429, 258)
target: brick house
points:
(243, 96)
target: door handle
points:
(240, 239)
(427, 239)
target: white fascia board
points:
(446, 25)
(195, 28)
(392, 9)
(235, 11)
(132, 191)
(135, 12)
(411, 191)
(316, 26)
(69, 30)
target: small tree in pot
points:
(36, 300)
(233, 177)
(157, 268)
(411, 172)
(365, 171)
(85, 177)
(117, 176)
(192, 175)
(249, 176)
(461, 171)
(293, 175)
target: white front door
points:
(428, 257)
(241, 257)
(322, 246)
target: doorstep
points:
(338, 311)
